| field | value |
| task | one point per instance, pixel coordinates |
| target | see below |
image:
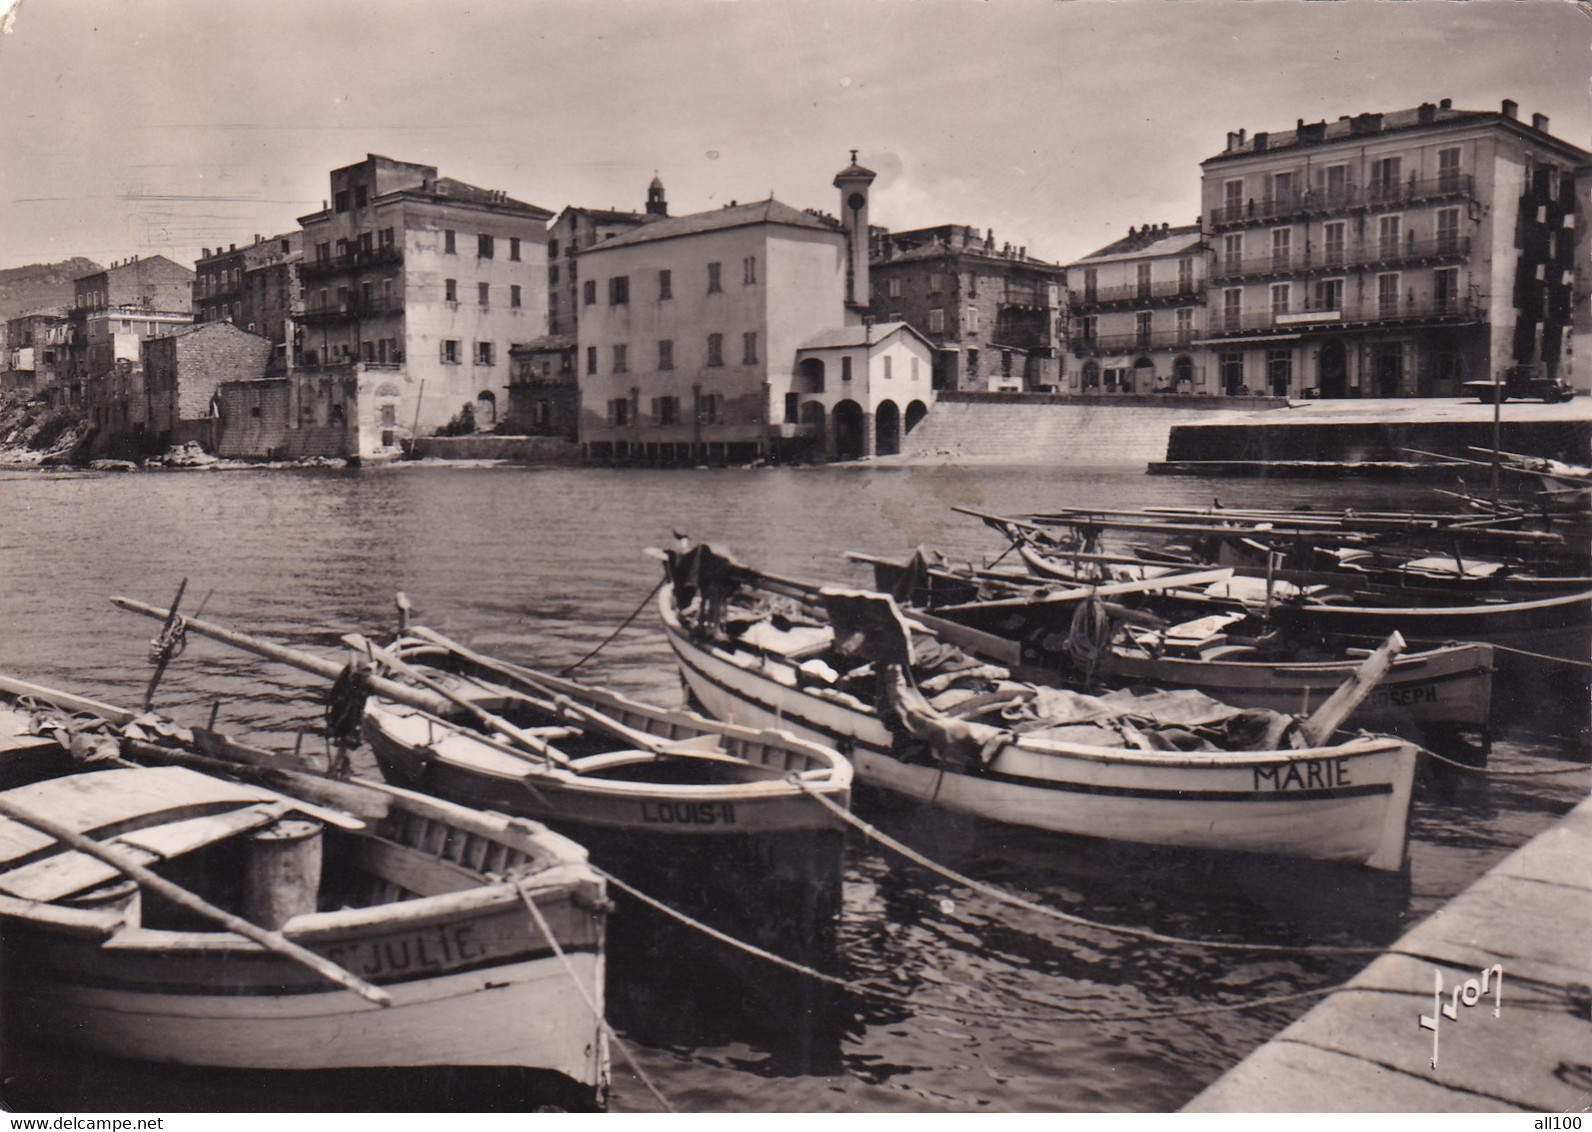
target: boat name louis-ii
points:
(688, 813)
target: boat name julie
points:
(1308, 774)
(449, 946)
(688, 813)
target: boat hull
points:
(1348, 803)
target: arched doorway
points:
(1183, 374)
(887, 429)
(1333, 370)
(845, 421)
(810, 376)
(485, 409)
(915, 414)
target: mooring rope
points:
(1544, 656)
(1067, 917)
(1054, 1012)
(541, 922)
(623, 625)
(1501, 771)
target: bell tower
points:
(656, 205)
(853, 182)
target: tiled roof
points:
(854, 336)
(1392, 121)
(1154, 242)
(768, 211)
(448, 189)
(612, 216)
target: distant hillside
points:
(39, 286)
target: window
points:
(749, 270)
(1232, 364)
(845, 367)
(621, 358)
(749, 348)
(887, 368)
(619, 411)
(713, 278)
(665, 284)
(1143, 280)
(450, 351)
(936, 321)
(552, 313)
(665, 410)
(1281, 247)
(386, 294)
(1185, 325)
(514, 294)
(1385, 176)
(914, 369)
(483, 353)
(1233, 251)
(1332, 241)
(1281, 295)
(666, 353)
(323, 250)
(367, 351)
(1185, 276)
(588, 292)
(386, 239)
(450, 290)
(710, 408)
(972, 363)
(715, 349)
(1282, 188)
(448, 247)
(1141, 328)
(894, 287)
(591, 359)
(1447, 230)
(619, 291)
(1387, 232)
(361, 196)
(484, 294)
(514, 248)
(1448, 170)
(366, 243)
(340, 201)
(1279, 371)
(552, 276)
(483, 246)
(552, 249)
(1233, 198)
(1233, 308)
(1089, 329)
(936, 282)
(972, 320)
(1329, 296)
(1387, 294)
(1091, 284)
(1446, 290)
(1336, 183)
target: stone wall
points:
(526, 449)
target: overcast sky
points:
(144, 126)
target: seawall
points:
(521, 449)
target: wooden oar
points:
(327, 669)
(66, 701)
(562, 702)
(1082, 593)
(533, 743)
(154, 882)
(1327, 718)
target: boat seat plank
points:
(89, 801)
(64, 874)
(410, 869)
(13, 724)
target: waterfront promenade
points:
(1526, 1043)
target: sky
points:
(136, 127)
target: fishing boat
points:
(717, 819)
(1084, 635)
(921, 718)
(165, 906)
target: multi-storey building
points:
(544, 395)
(1392, 254)
(418, 286)
(994, 316)
(113, 312)
(183, 371)
(690, 328)
(35, 359)
(256, 288)
(1136, 308)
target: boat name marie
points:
(1309, 774)
(442, 946)
(688, 813)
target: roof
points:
(864, 335)
(1392, 121)
(1147, 243)
(768, 211)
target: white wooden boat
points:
(763, 651)
(421, 902)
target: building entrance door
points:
(1334, 370)
(1387, 369)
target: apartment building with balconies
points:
(994, 316)
(1389, 254)
(418, 286)
(1136, 307)
(256, 288)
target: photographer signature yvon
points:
(1466, 994)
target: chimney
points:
(1446, 104)
(853, 182)
(1241, 139)
(1262, 139)
(1232, 141)
(1539, 122)
(1511, 108)
(1426, 113)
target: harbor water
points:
(982, 1005)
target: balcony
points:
(1083, 347)
(1031, 298)
(1315, 202)
(1134, 294)
(1408, 252)
(351, 261)
(350, 310)
(1349, 313)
